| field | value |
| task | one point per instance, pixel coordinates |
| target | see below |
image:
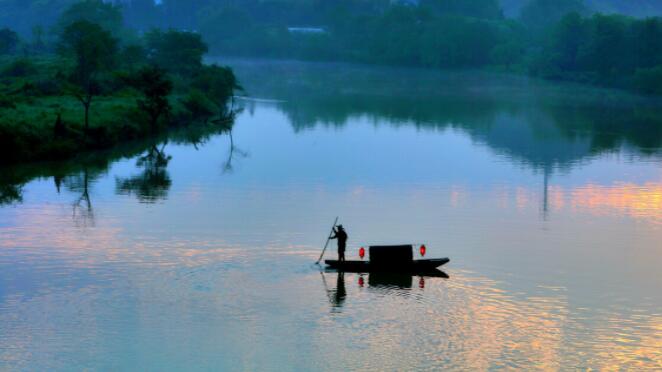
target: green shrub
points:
(649, 80)
(6, 102)
(21, 67)
(198, 105)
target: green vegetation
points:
(93, 49)
(608, 50)
(97, 88)
(155, 87)
(554, 39)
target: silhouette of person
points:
(340, 293)
(341, 235)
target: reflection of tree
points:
(10, 194)
(227, 167)
(153, 183)
(546, 126)
(83, 214)
(11, 187)
(79, 174)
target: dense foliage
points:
(556, 39)
(612, 50)
(93, 86)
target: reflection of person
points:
(340, 294)
(341, 235)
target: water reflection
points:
(548, 127)
(638, 201)
(153, 183)
(10, 193)
(337, 295)
(82, 208)
(234, 151)
(79, 175)
(391, 284)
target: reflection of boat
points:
(390, 258)
(401, 280)
(397, 283)
(413, 266)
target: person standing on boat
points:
(341, 235)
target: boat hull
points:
(414, 266)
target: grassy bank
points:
(28, 126)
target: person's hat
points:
(340, 226)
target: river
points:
(197, 252)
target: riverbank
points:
(43, 118)
(31, 131)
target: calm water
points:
(197, 254)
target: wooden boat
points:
(413, 266)
(390, 258)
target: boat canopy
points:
(391, 254)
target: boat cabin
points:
(391, 255)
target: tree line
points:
(555, 39)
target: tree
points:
(133, 55)
(607, 51)
(94, 51)
(218, 83)
(8, 41)
(568, 38)
(649, 81)
(648, 42)
(459, 42)
(176, 51)
(152, 81)
(105, 14)
(38, 43)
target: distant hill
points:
(636, 8)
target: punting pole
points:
(327, 241)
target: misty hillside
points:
(637, 8)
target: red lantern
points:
(362, 252)
(423, 249)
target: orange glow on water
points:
(639, 201)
